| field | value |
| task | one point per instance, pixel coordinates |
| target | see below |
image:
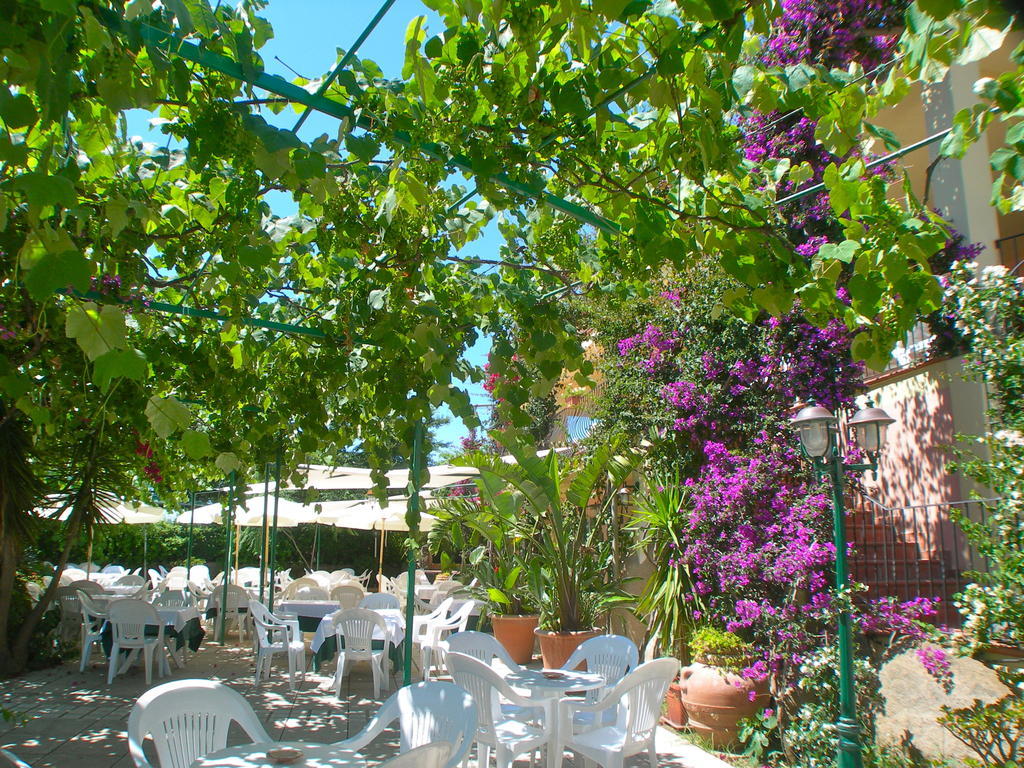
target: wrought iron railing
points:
(1011, 252)
(914, 551)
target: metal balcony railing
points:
(914, 551)
(1011, 252)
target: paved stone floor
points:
(68, 719)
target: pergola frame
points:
(175, 45)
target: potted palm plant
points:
(486, 525)
(563, 507)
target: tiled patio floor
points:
(67, 719)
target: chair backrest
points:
(356, 625)
(347, 595)
(11, 760)
(640, 695)
(421, 576)
(200, 574)
(70, 605)
(188, 719)
(238, 598)
(91, 610)
(401, 581)
(377, 600)
(248, 576)
(348, 571)
(155, 577)
(129, 619)
(89, 587)
(262, 621)
(173, 598)
(307, 592)
(611, 656)
(178, 569)
(484, 684)
(290, 592)
(434, 755)
(481, 646)
(431, 712)
(384, 584)
(130, 580)
(115, 569)
(174, 582)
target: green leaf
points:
(167, 415)
(55, 272)
(497, 596)
(196, 444)
(17, 110)
(96, 330)
(227, 462)
(844, 251)
(42, 189)
(119, 363)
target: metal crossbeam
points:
(176, 46)
(347, 58)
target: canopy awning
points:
(250, 513)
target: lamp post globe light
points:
(818, 430)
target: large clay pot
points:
(516, 634)
(675, 712)
(557, 647)
(716, 699)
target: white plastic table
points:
(533, 684)
(255, 756)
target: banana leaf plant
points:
(560, 508)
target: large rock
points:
(912, 700)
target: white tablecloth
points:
(123, 590)
(392, 617)
(308, 608)
(177, 617)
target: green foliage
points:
(561, 506)
(990, 311)
(711, 645)
(994, 731)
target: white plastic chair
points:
(290, 592)
(427, 713)
(115, 569)
(94, 618)
(275, 635)
(236, 612)
(200, 574)
(130, 580)
(611, 656)
(376, 601)
(433, 755)
(507, 734)
(155, 578)
(480, 646)
(70, 612)
(435, 644)
(307, 592)
(188, 719)
(173, 598)
(348, 595)
(89, 587)
(322, 578)
(636, 701)
(11, 760)
(354, 630)
(128, 621)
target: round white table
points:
(255, 756)
(550, 687)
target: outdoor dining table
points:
(126, 590)
(309, 612)
(255, 756)
(181, 624)
(325, 642)
(550, 685)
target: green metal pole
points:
(273, 530)
(316, 547)
(263, 531)
(849, 752)
(412, 517)
(191, 522)
(229, 524)
(145, 550)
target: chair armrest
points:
(372, 730)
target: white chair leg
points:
(339, 673)
(147, 662)
(652, 755)
(483, 755)
(291, 669)
(375, 667)
(115, 652)
(425, 661)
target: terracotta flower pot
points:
(716, 699)
(516, 634)
(557, 647)
(675, 712)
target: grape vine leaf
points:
(167, 415)
(96, 330)
(227, 462)
(196, 444)
(56, 271)
(126, 363)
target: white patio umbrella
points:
(123, 512)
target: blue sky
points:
(307, 36)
